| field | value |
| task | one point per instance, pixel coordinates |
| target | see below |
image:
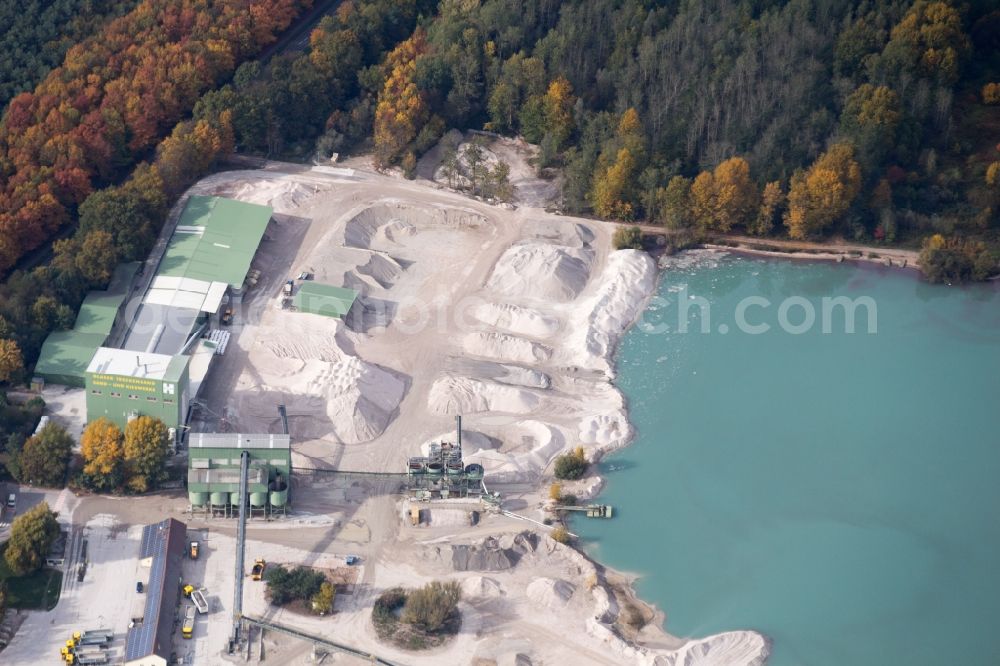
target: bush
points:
(560, 534)
(955, 260)
(285, 586)
(430, 607)
(627, 238)
(417, 619)
(991, 93)
(322, 601)
(571, 465)
(389, 602)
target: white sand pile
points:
(386, 224)
(610, 429)
(347, 397)
(552, 593)
(464, 395)
(541, 271)
(628, 278)
(281, 195)
(382, 269)
(505, 347)
(733, 648)
(517, 319)
(529, 447)
(518, 376)
(561, 233)
(480, 587)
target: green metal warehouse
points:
(214, 471)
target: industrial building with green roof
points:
(65, 355)
(215, 240)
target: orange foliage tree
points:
(823, 193)
(402, 110)
(724, 198)
(113, 97)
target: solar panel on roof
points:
(141, 639)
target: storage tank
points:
(455, 467)
(198, 499)
(435, 468)
(235, 499)
(258, 499)
(279, 492)
(220, 499)
(474, 471)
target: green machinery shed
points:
(324, 299)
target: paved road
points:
(296, 37)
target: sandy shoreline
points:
(890, 258)
(510, 318)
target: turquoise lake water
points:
(839, 493)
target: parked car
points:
(138, 587)
(11, 500)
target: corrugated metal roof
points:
(324, 299)
(182, 292)
(68, 353)
(98, 311)
(215, 240)
(65, 355)
(165, 543)
(236, 440)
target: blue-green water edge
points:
(836, 492)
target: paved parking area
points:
(103, 600)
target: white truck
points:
(200, 602)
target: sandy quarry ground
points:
(507, 316)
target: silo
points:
(258, 499)
(279, 492)
(198, 499)
(219, 500)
